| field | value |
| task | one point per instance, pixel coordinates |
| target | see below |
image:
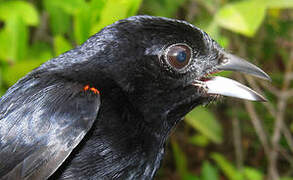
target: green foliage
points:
(228, 169)
(113, 11)
(61, 45)
(248, 173)
(70, 21)
(165, 8)
(209, 172)
(243, 16)
(205, 122)
(286, 178)
(60, 21)
(240, 17)
(252, 174)
(199, 140)
(181, 162)
(17, 71)
(279, 3)
(16, 15)
(26, 11)
(88, 16)
(15, 39)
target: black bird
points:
(105, 109)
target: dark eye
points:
(178, 56)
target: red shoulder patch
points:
(88, 88)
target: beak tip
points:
(263, 100)
(260, 98)
(265, 76)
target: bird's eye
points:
(178, 56)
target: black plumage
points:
(104, 109)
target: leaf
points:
(204, 121)
(199, 140)
(114, 10)
(23, 9)
(165, 8)
(13, 73)
(181, 162)
(69, 6)
(209, 172)
(16, 38)
(4, 45)
(61, 45)
(190, 176)
(280, 4)
(228, 169)
(2, 89)
(86, 18)
(214, 31)
(252, 174)
(96, 7)
(60, 21)
(241, 17)
(40, 51)
(82, 25)
(286, 178)
(133, 7)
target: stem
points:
(237, 142)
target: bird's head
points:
(163, 66)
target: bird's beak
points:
(217, 85)
(231, 62)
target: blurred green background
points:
(233, 139)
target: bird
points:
(105, 109)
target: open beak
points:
(217, 85)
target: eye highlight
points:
(178, 56)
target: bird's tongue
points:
(228, 87)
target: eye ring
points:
(178, 56)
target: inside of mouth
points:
(205, 78)
(208, 76)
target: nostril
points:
(222, 59)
